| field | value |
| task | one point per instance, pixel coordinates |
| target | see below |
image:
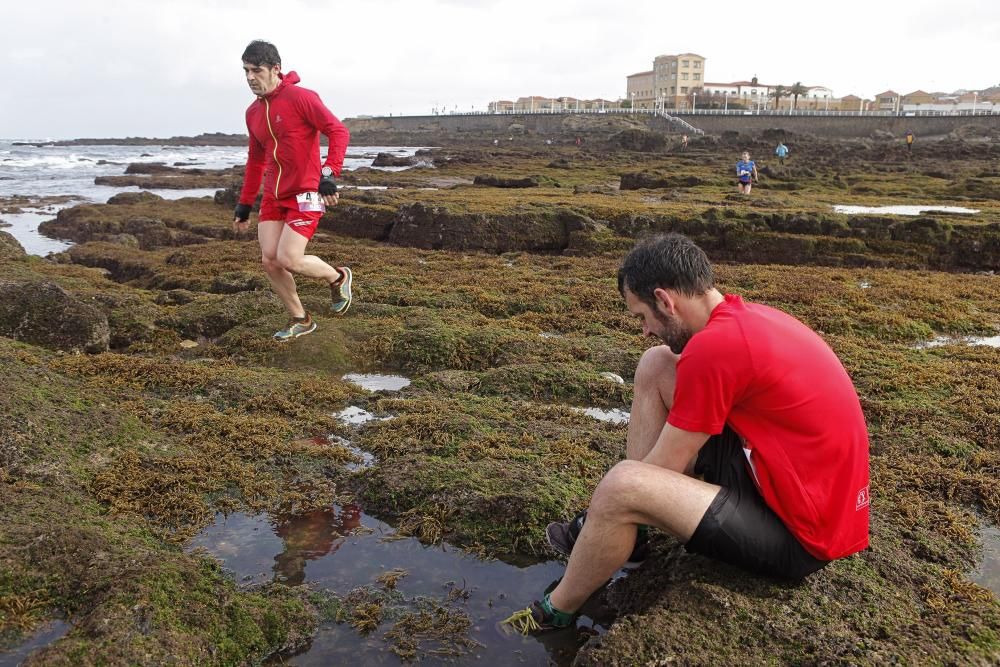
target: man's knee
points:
(270, 264)
(616, 489)
(656, 369)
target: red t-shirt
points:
(785, 392)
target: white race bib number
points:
(310, 202)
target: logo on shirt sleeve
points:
(864, 497)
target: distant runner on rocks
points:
(284, 124)
(746, 173)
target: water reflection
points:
(341, 548)
(377, 381)
(311, 536)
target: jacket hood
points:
(289, 79)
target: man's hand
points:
(241, 219)
(328, 191)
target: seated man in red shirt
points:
(747, 398)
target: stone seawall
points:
(567, 125)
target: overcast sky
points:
(113, 68)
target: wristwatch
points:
(327, 171)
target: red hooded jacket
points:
(284, 128)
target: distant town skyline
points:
(111, 68)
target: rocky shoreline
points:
(143, 395)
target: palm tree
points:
(777, 93)
(795, 91)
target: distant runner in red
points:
(284, 123)
(746, 440)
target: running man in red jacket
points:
(284, 123)
(746, 440)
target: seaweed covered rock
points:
(501, 182)
(9, 247)
(645, 141)
(390, 160)
(644, 179)
(134, 198)
(44, 314)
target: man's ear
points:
(666, 300)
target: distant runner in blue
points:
(781, 151)
(746, 173)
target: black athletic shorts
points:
(738, 527)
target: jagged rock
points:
(150, 168)
(134, 198)
(500, 182)
(43, 313)
(390, 160)
(9, 247)
(647, 180)
(639, 140)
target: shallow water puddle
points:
(989, 341)
(341, 548)
(377, 382)
(987, 574)
(45, 635)
(355, 416)
(903, 209)
(614, 415)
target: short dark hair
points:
(670, 261)
(259, 52)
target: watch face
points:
(327, 171)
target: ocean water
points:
(43, 173)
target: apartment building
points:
(639, 89)
(674, 83)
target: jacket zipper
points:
(267, 116)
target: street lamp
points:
(632, 105)
(725, 100)
(975, 98)
(694, 100)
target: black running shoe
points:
(562, 536)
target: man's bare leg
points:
(292, 258)
(269, 234)
(632, 493)
(653, 395)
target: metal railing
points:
(669, 113)
(679, 121)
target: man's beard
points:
(672, 331)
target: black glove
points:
(242, 212)
(327, 186)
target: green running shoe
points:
(539, 617)
(340, 291)
(297, 326)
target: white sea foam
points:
(48, 171)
